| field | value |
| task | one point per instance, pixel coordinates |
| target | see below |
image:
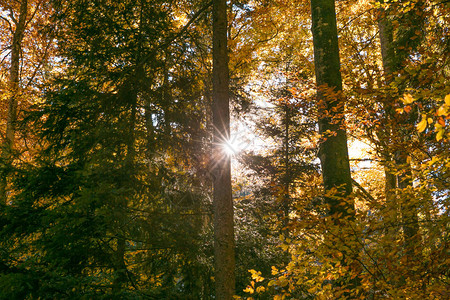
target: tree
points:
(26, 40)
(118, 150)
(333, 149)
(221, 170)
(121, 199)
(396, 44)
(13, 89)
(333, 152)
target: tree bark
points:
(221, 170)
(333, 148)
(14, 91)
(408, 210)
(333, 152)
(287, 180)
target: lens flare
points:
(232, 147)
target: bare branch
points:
(363, 190)
(9, 23)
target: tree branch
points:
(363, 190)
(180, 33)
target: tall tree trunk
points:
(221, 172)
(287, 180)
(388, 59)
(408, 210)
(333, 149)
(14, 93)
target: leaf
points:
(440, 135)
(447, 99)
(249, 289)
(256, 275)
(274, 270)
(407, 99)
(422, 124)
(442, 111)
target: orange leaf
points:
(407, 108)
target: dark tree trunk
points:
(333, 152)
(221, 168)
(287, 180)
(333, 149)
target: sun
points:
(233, 146)
(242, 138)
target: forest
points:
(224, 149)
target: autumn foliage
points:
(111, 138)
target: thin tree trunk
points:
(14, 90)
(221, 172)
(120, 268)
(121, 207)
(287, 176)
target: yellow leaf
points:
(441, 111)
(440, 135)
(399, 110)
(422, 124)
(430, 120)
(447, 99)
(274, 271)
(249, 289)
(407, 99)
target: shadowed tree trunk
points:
(221, 170)
(333, 148)
(333, 152)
